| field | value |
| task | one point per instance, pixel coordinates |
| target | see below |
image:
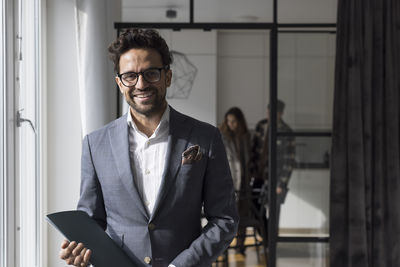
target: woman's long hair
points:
(242, 125)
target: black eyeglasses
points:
(151, 75)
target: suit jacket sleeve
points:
(91, 196)
(219, 209)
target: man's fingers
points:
(78, 260)
(86, 258)
(69, 260)
(64, 244)
(62, 253)
(65, 253)
(71, 247)
(83, 251)
(77, 250)
(75, 254)
(82, 259)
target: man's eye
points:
(152, 74)
(129, 76)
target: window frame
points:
(8, 228)
(12, 249)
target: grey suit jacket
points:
(173, 233)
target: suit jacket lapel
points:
(177, 143)
(120, 148)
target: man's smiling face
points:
(144, 98)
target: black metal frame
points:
(303, 239)
(274, 28)
(226, 26)
(273, 100)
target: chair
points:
(252, 213)
(222, 260)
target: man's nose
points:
(141, 83)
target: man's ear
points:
(168, 77)
(119, 83)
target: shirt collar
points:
(162, 124)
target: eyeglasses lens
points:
(150, 75)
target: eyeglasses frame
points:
(119, 75)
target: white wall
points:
(306, 64)
(243, 73)
(307, 203)
(200, 47)
(64, 130)
(63, 118)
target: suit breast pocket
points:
(193, 169)
(186, 169)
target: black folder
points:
(77, 226)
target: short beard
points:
(155, 108)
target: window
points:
(20, 187)
(7, 226)
(28, 217)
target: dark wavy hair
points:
(139, 38)
(242, 125)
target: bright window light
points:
(28, 132)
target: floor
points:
(288, 255)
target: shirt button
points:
(147, 260)
(152, 226)
(147, 171)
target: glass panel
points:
(305, 211)
(302, 255)
(243, 73)
(307, 11)
(233, 11)
(312, 152)
(306, 79)
(155, 11)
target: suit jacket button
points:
(147, 260)
(152, 226)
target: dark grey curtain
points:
(365, 176)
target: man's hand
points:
(75, 254)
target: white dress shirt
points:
(147, 156)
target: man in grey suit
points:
(147, 176)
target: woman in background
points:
(236, 138)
